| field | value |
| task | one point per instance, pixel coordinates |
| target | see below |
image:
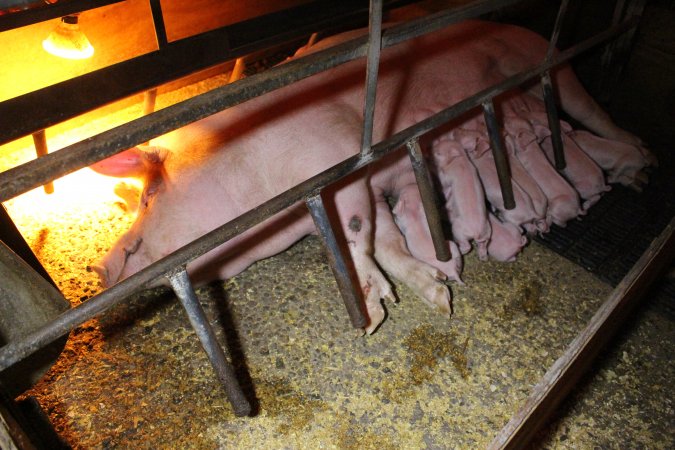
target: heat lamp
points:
(68, 41)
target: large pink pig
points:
(222, 166)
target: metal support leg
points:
(41, 149)
(337, 262)
(149, 102)
(553, 121)
(501, 160)
(180, 282)
(237, 70)
(428, 194)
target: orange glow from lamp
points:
(68, 41)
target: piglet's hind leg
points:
(391, 252)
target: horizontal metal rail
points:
(82, 154)
(16, 351)
(54, 104)
(48, 11)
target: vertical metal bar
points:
(158, 20)
(608, 56)
(617, 52)
(372, 67)
(428, 193)
(237, 70)
(501, 160)
(41, 149)
(337, 261)
(549, 98)
(553, 121)
(180, 282)
(556, 30)
(312, 40)
(149, 101)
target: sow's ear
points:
(134, 162)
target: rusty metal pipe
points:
(338, 262)
(180, 282)
(41, 149)
(499, 154)
(428, 193)
(372, 69)
(555, 34)
(553, 121)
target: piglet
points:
(524, 179)
(411, 220)
(477, 147)
(563, 200)
(581, 171)
(624, 163)
(506, 241)
(463, 193)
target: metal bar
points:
(149, 100)
(41, 149)
(499, 154)
(548, 94)
(48, 12)
(237, 70)
(608, 56)
(553, 121)
(372, 68)
(11, 236)
(158, 22)
(82, 154)
(46, 107)
(565, 373)
(429, 196)
(338, 262)
(556, 30)
(19, 349)
(621, 47)
(180, 282)
(25, 114)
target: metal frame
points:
(45, 107)
(33, 12)
(35, 173)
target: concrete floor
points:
(138, 378)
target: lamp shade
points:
(68, 41)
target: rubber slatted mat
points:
(619, 228)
